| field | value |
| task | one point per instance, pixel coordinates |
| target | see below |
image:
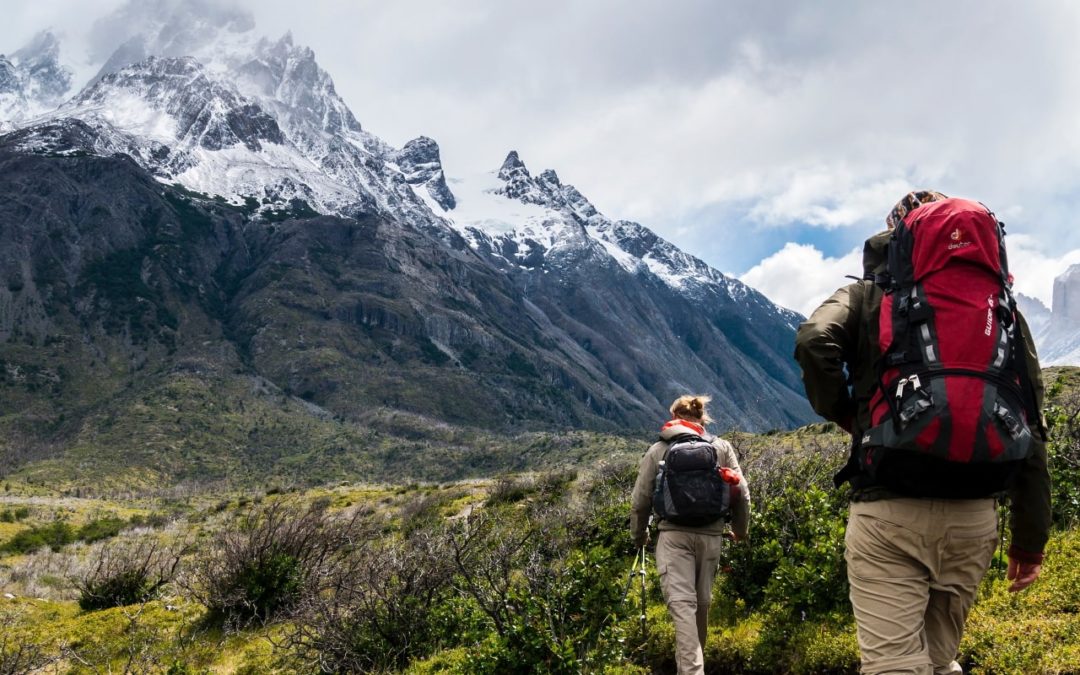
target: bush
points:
(797, 560)
(1063, 450)
(378, 609)
(554, 485)
(154, 520)
(510, 489)
(103, 528)
(262, 566)
(550, 580)
(126, 574)
(55, 536)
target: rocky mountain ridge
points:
(223, 213)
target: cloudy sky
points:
(768, 138)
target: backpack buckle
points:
(913, 380)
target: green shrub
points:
(510, 489)
(797, 560)
(55, 536)
(550, 580)
(154, 520)
(1036, 630)
(1063, 450)
(125, 588)
(102, 528)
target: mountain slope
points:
(222, 215)
(662, 321)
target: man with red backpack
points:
(929, 366)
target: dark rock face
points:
(355, 314)
(420, 163)
(116, 271)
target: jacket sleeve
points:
(1030, 512)
(740, 510)
(641, 498)
(823, 344)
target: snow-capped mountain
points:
(260, 121)
(553, 217)
(32, 80)
(266, 226)
(1058, 336)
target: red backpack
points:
(951, 411)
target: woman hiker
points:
(688, 545)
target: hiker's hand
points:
(730, 536)
(1021, 574)
(643, 540)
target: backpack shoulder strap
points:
(1022, 366)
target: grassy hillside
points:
(206, 428)
(524, 571)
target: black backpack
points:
(689, 489)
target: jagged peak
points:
(512, 165)
(286, 47)
(550, 177)
(420, 164)
(44, 45)
(421, 149)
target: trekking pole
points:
(644, 626)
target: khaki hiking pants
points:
(914, 567)
(687, 563)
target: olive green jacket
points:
(841, 335)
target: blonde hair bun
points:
(691, 408)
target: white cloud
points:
(800, 277)
(800, 113)
(782, 115)
(1033, 270)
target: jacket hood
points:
(678, 427)
(875, 254)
